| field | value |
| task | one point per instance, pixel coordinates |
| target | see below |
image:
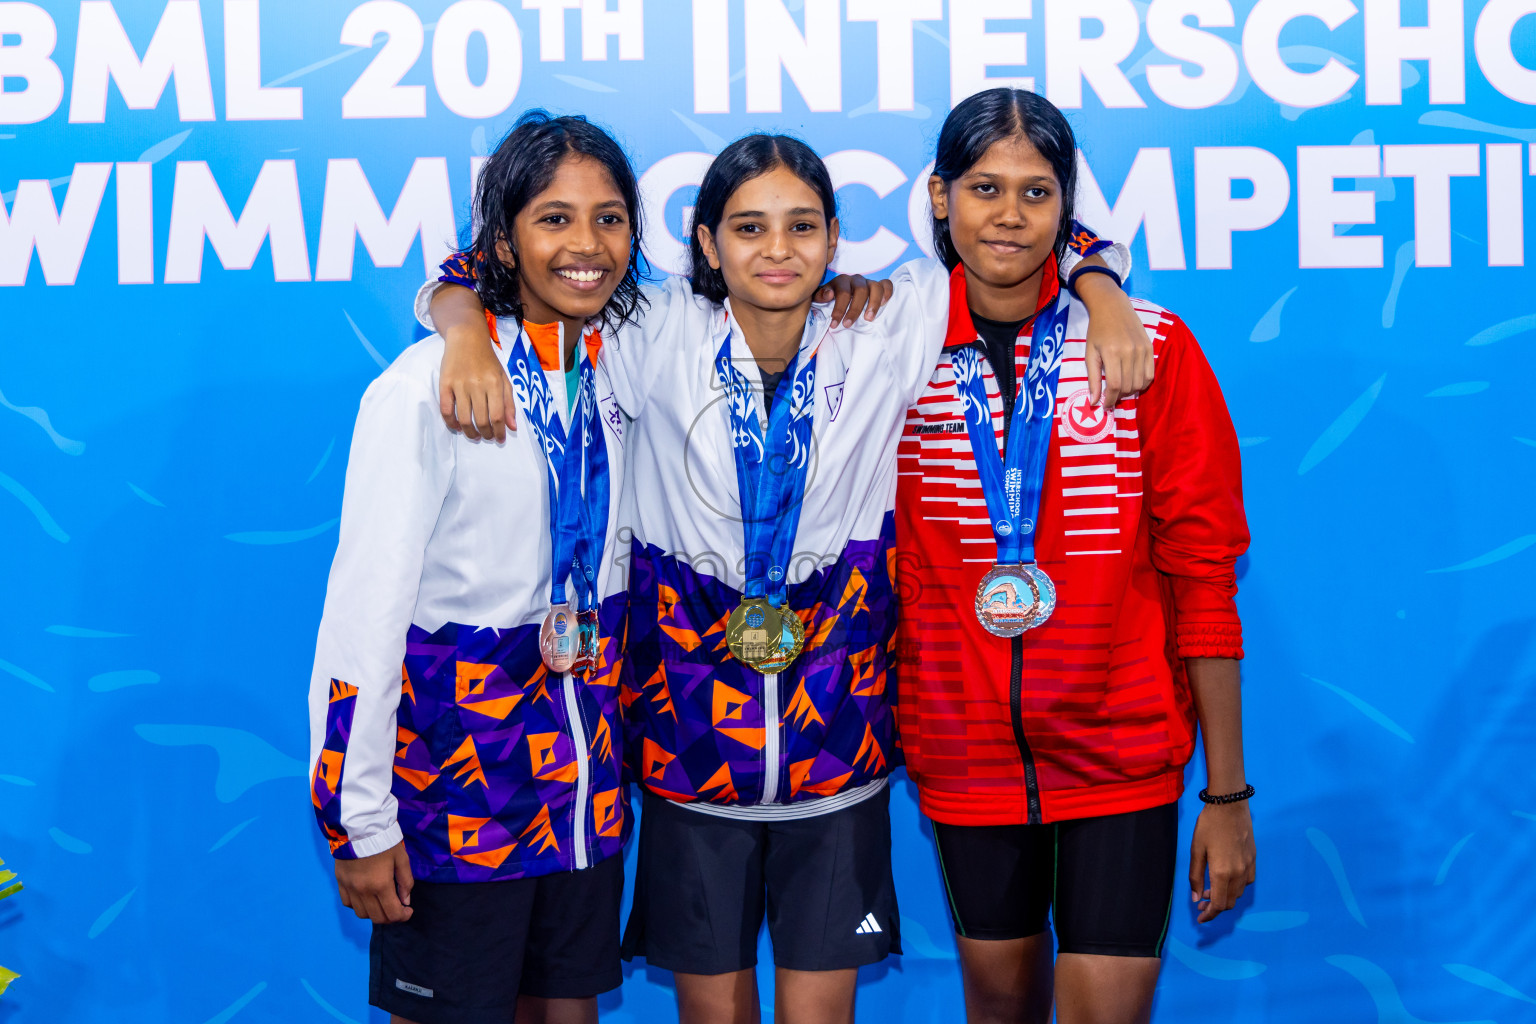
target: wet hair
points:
(749, 157)
(994, 116)
(523, 166)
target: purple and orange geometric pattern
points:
(486, 767)
(325, 786)
(694, 714)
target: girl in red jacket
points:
(1073, 619)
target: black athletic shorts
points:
(470, 948)
(1107, 881)
(704, 884)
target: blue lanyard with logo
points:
(1016, 594)
(594, 510)
(771, 466)
(771, 469)
(576, 464)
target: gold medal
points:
(763, 637)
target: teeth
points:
(581, 275)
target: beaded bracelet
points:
(1080, 270)
(1227, 798)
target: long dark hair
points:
(750, 156)
(992, 116)
(523, 166)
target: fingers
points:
(826, 293)
(508, 404)
(392, 911)
(1147, 368)
(480, 429)
(1221, 897)
(1095, 363)
(377, 902)
(848, 295)
(496, 414)
(858, 300)
(463, 413)
(404, 880)
(1227, 885)
(1197, 859)
(1114, 381)
(880, 293)
(445, 406)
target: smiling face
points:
(1004, 213)
(773, 243)
(572, 244)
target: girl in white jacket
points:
(465, 698)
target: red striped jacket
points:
(1140, 527)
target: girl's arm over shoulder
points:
(1119, 353)
(474, 394)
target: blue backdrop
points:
(172, 453)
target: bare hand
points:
(851, 294)
(1119, 352)
(473, 390)
(1223, 844)
(378, 887)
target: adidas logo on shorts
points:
(868, 926)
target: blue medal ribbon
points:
(576, 473)
(771, 467)
(1013, 481)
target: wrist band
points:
(1227, 798)
(1080, 270)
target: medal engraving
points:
(1014, 598)
(791, 643)
(558, 639)
(763, 637)
(587, 642)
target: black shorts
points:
(471, 948)
(704, 883)
(1107, 881)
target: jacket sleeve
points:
(636, 355)
(456, 269)
(910, 328)
(397, 479)
(1193, 491)
(1084, 243)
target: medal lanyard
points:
(1012, 482)
(594, 510)
(770, 469)
(576, 531)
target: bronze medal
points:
(558, 639)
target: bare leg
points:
(1105, 989)
(1007, 981)
(814, 997)
(532, 1010)
(717, 998)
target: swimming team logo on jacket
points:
(697, 718)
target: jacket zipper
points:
(1016, 681)
(771, 740)
(583, 773)
(1015, 706)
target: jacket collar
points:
(962, 331)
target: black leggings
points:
(1109, 879)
